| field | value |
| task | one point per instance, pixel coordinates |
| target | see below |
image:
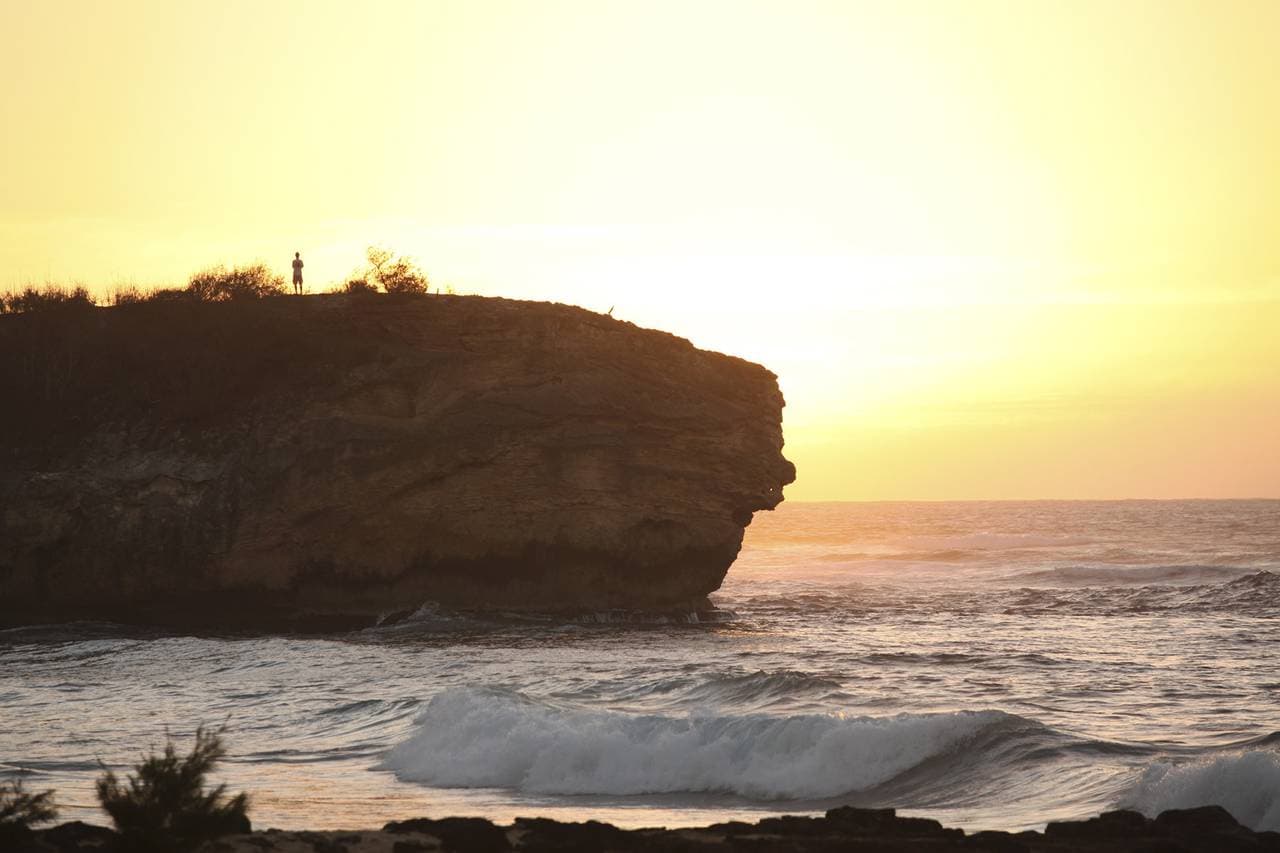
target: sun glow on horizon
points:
(991, 251)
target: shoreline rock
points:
(316, 463)
(1208, 829)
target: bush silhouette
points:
(49, 298)
(126, 295)
(219, 284)
(396, 275)
(165, 808)
(20, 810)
(358, 286)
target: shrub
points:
(396, 275)
(219, 284)
(358, 286)
(19, 810)
(51, 297)
(126, 294)
(402, 276)
(168, 294)
(165, 808)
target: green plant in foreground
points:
(165, 807)
(21, 810)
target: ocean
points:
(993, 665)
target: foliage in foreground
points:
(165, 808)
(21, 810)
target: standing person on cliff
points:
(297, 273)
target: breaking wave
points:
(1131, 575)
(469, 737)
(1247, 784)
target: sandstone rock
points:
(318, 462)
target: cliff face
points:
(322, 460)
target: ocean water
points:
(994, 665)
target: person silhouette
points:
(297, 273)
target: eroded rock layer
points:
(316, 461)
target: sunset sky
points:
(993, 250)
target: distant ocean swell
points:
(492, 738)
(1082, 590)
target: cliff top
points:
(195, 365)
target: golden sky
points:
(993, 250)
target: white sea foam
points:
(1246, 784)
(469, 738)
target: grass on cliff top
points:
(395, 274)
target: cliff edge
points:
(322, 461)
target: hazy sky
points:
(993, 250)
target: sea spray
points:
(1247, 784)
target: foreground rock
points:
(314, 463)
(1204, 830)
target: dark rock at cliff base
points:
(472, 834)
(312, 463)
(849, 829)
(1117, 824)
(72, 837)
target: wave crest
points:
(1105, 575)
(469, 737)
(1246, 784)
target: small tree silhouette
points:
(219, 284)
(165, 808)
(20, 810)
(396, 275)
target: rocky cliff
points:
(323, 461)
